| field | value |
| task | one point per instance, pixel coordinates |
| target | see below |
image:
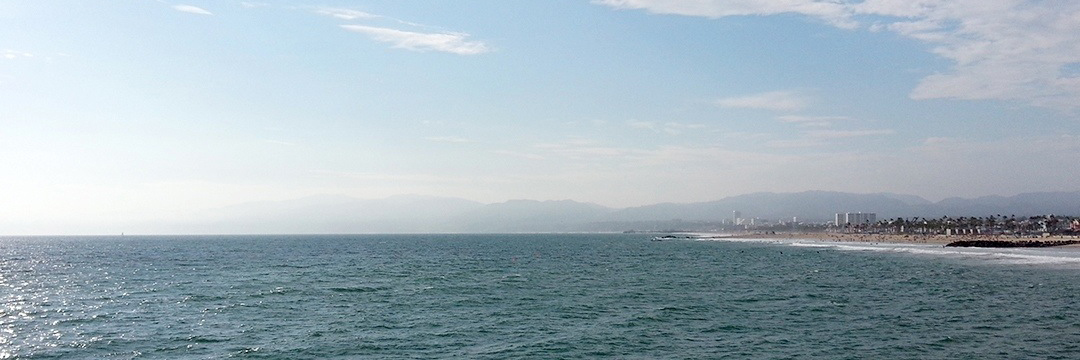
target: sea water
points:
(529, 296)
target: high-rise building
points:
(861, 218)
(855, 218)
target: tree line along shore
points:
(1030, 226)
(988, 231)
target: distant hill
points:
(1060, 203)
(420, 214)
(907, 199)
(822, 205)
(809, 205)
(530, 216)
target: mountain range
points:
(428, 214)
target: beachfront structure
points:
(855, 218)
(862, 218)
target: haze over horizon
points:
(137, 110)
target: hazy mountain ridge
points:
(418, 214)
(530, 215)
(809, 205)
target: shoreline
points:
(882, 238)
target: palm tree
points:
(1009, 223)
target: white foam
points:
(1020, 256)
(814, 245)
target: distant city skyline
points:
(139, 110)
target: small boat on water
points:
(665, 238)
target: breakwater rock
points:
(1011, 243)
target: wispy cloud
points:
(643, 125)
(675, 128)
(191, 9)
(345, 14)
(672, 128)
(14, 54)
(840, 134)
(454, 43)
(939, 140)
(774, 100)
(1001, 49)
(443, 41)
(811, 121)
(832, 11)
(579, 149)
(796, 143)
(1007, 49)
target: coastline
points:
(880, 238)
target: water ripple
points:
(525, 296)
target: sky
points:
(141, 109)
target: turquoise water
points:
(528, 296)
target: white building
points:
(855, 218)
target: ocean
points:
(540, 296)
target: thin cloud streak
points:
(13, 54)
(791, 144)
(833, 12)
(454, 43)
(774, 100)
(191, 9)
(811, 121)
(670, 128)
(841, 134)
(345, 14)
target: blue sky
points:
(140, 109)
